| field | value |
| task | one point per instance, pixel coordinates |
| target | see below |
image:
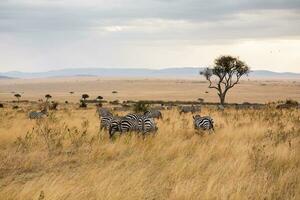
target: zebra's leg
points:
(111, 132)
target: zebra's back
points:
(153, 114)
(204, 123)
(36, 115)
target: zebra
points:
(133, 116)
(203, 123)
(146, 125)
(153, 114)
(192, 109)
(38, 115)
(105, 121)
(132, 122)
(103, 112)
(105, 117)
(141, 120)
(121, 125)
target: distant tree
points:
(85, 96)
(114, 92)
(18, 96)
(48, 96)
(228, 71)
(99, 98)
(71, 92)
(201, 100)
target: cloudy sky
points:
(41, 35)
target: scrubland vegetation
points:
(254, 154)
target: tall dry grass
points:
(254, 154)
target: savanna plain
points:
(253, 153)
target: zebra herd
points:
(143, 123)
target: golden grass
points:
(254, 154)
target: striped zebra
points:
(103, 112)
(187, 109)
(105, 121)
(38, 115)
(153, 114)
(134, 123)
(203, 123)
(144, 123)
(133, 116)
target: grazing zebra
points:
(121, 125)
(105, 121)
(38, 115)
(146, 125)
(153, 114)
(192, 109)
(132, 122)
(133, 116)
(103, 112)
(203, 123)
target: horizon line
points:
(131, 68)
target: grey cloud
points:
(182, 21)
(63, 15)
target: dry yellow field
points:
(254, 154)
(255, 91)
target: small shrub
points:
(15, 107)
(83, 104)
(114, 92)
(140, 107)
(99, 98)
(201, 100)
(115, 102)
(291, 102)
(1, 105)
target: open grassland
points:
(255, 91)
(254, 154)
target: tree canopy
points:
(228, 70)
(85, 96)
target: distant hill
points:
(5, 77)
(182, 72)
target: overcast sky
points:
(41, 35)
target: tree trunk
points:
(222, 98)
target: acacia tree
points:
(85, 96)
(48, 96)
(18, 96)
(228, 70)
